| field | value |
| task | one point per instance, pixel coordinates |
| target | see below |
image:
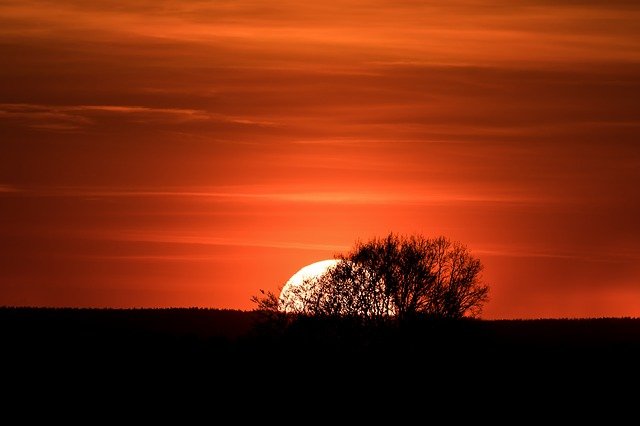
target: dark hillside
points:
(225, 343)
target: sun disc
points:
(309, 272)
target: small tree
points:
(395, 277)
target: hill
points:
(226, 344)
(110, 356)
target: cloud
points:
(190, 239)
(74, 117)
(599, 256)
(8, 189)
(276, 195)
(450, 32)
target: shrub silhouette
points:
(395, 277)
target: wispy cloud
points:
(74, 117)
(449, 32)
(176, 238)
(570, 255)
(185, 258)
(4, 188)
(391, 196)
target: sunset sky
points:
(189, 153)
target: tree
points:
(395, 277)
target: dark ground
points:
(143, 350)
(205, 335)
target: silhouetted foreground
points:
(110, 362)
(200, 331)
(220, 345)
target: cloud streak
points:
(155, 237)
(73, 117)
(596, 256)
(264, 194)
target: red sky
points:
(188, 153)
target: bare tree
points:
(395, 277)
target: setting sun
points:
(308, 273)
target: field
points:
(203, 333)
(223, 355)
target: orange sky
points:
(189, 153)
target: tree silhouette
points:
(395, 277)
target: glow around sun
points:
(309, 272)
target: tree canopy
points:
(394, 277)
